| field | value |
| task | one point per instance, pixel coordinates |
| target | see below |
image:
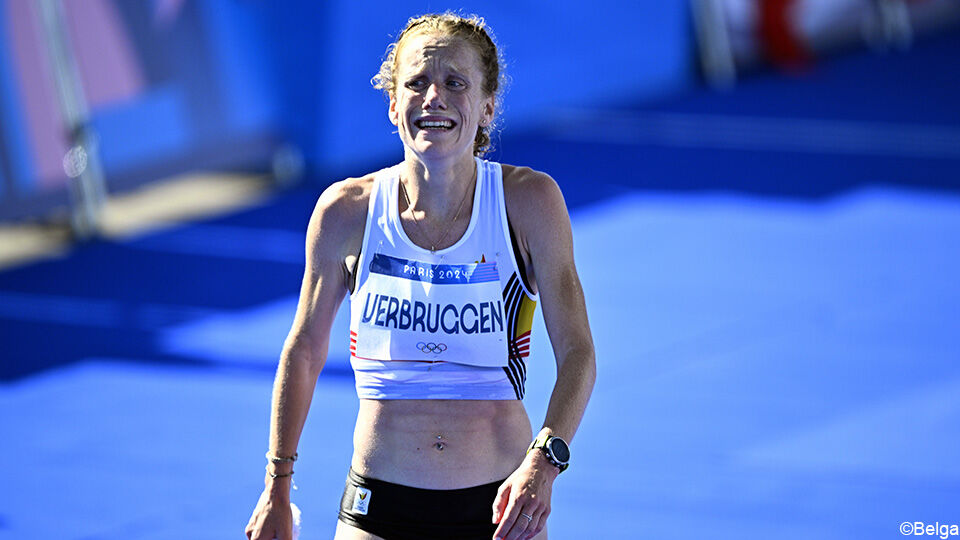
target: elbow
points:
(590, 369)
(300, 352)
(582, 364)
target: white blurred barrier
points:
(731, 36)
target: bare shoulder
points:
(340, 215)
(532, 196)
(524, 181)
(346, 198)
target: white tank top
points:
(450, 324)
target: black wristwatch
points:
(555, 448)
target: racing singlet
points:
(449, 324)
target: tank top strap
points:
(374, 226)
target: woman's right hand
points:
(272, 518)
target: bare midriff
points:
(440, 444)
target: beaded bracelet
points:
(279, 459)
(275, 475)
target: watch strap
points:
(541, 443)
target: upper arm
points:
(544, 233)
(331, 235)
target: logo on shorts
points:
(429, 347)
(361, 501)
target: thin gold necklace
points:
(433, 245)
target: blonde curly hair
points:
(471, 29)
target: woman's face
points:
(439, 101)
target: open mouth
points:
(434, 124)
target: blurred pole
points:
(9, 187)
(713, 36)
(81, 163)
(894, 22)
(288, 165)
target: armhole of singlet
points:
(358, 272)
(521, 268)
(509, 236)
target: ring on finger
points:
(529, 518)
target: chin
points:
(438, 149)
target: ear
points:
(488, 111)
(392, 112)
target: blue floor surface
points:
(785, 369)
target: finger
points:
(509, 521)
(506, 520)
(251, 529)
(500, 502)
(539, 522)
(537, 516)
(275, 533)
(262, 534)
(520, 527)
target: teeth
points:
(435, 124)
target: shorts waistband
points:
(366, 481)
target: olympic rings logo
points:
(435, 348)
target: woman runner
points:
(444, 256)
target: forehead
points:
(423, 50)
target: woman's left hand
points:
(523, 500)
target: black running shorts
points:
(397, 512)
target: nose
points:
(433, 100)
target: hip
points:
(400, 512)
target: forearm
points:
(293, 390)
(526, 493)
(575, 378)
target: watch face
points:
(559, 450)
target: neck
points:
(437, 188)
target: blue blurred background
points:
(765, 203)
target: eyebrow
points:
(418, 71)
